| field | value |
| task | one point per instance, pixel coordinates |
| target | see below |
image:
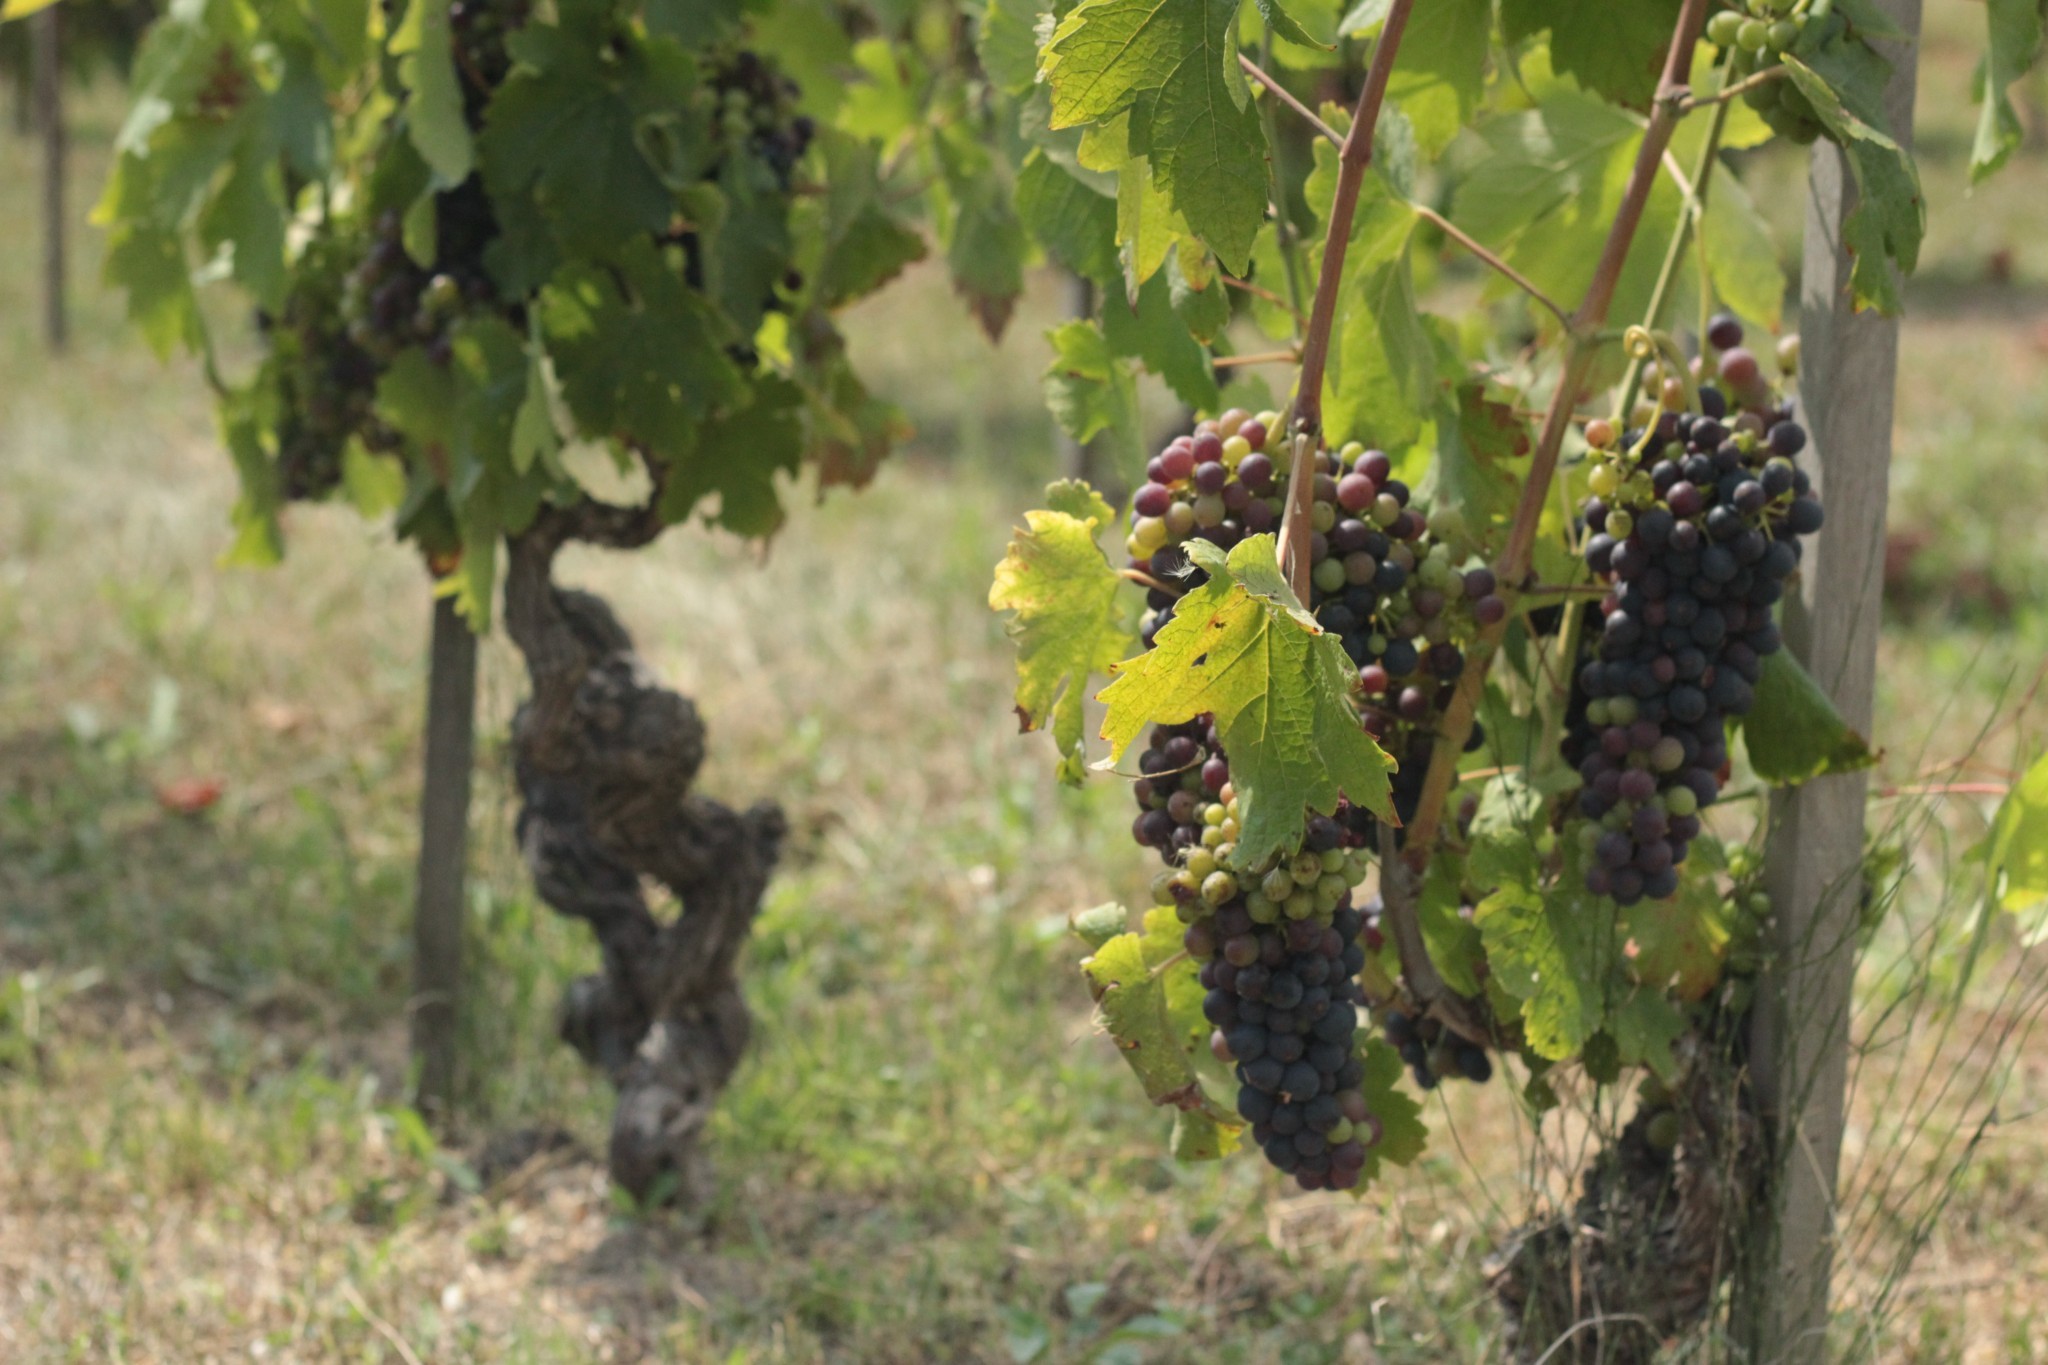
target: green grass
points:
(928, 1155)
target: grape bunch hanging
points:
(1694, 524)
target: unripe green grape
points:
(1681, 800)
(1620, 523)
(1329, 575)
(1604, 480)
(1228, 848)
(1332, 859)
(1214, 814)
(1348, 456)
(1341, 1134)
(1184, 886)
(1759, 904)
(1162, 889)
(1148, 534)
(1307, 866)
(1209, 510)
(1301, 904)
(1199, 862)
(1180, 521)
(1783, 34)
(1788, 354)
(1621, 710)
(1753, 36)
(1722, 28)
(1331, 886)
(1261, 910)
(1323, 517)
(1385, 510)
(1219, 888)
(1212, 837)
(1662, 1132)
(1235, 449)
(1230, 830)
(1278, 884)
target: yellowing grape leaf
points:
(1142, 1004)
(1242, 647)
(1068, 624)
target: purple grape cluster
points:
(1697, 528)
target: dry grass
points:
(928, 1157)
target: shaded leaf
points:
(1793, 732)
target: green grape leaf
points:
(1403, 1135)
(1068, 622)
(1678, 945)
(1152, 331)
(1132, 1006)
(1284, 26)
(1382, 374)
(534, 437)
(1075, 225)
(849, 430)
(737, 455)
(985, 253)
(1548, 947)
(1147, 225)
(1845, 84)
(1452, 941)
(1007, 43)
(2017, 852)
(1241, 646)
(1480, 447)
(1173, 65)
(1742, 256)
(259, 540)
(1645, 1025)
(434, 119)
(1440, 73)
(1615, 51)
(148, 264)
(1548, 180)
(1204, 309)
(857, 245)
(573, 129)
(2012, 44)
(637, 351)
(1092, 392)
(1793, 732)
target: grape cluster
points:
(1696, 526)
(1380, 581)
(1764, 32)
(757, 116)
(327, 382)
(1278, 948)
(1432, 1051)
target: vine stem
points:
(1352, 161)
(1513, 568)
(1286, 97)
(1225, 362)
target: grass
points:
(928, 1156)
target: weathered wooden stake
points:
(1799, 1041)
(444, 857)
(47, 39)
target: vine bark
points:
(605, 760)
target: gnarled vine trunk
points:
(605, 759)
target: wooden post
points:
(1799, 1040)
(444, 857)
(49, 102)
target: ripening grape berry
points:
(1739, 369)
(1724, 332)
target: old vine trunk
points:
(605, 759)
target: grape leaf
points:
(1204, 308)
(572, 129)
(1845, 85)
(2012, 44)
(1440, 72)
(1146, 224)
(1615, 51)
(1742, 256)
(637, 350)
(986, 252)
(1173, 65)
(1007, 43)
(1477, 441)
(434, 120)
(1546, 946)
(1091, 391)
(1099, 925)
(737, 455)
(1403, 1135)
(1793, 732)
(1645, 1025)
(1551, 179)
(1068, 623)
(1151, 330)
(2017, 852)
(855, 244)
(1132, 1006)
(1242, 647)
(1677, 945)
(1284, 26)
(1075, 225)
